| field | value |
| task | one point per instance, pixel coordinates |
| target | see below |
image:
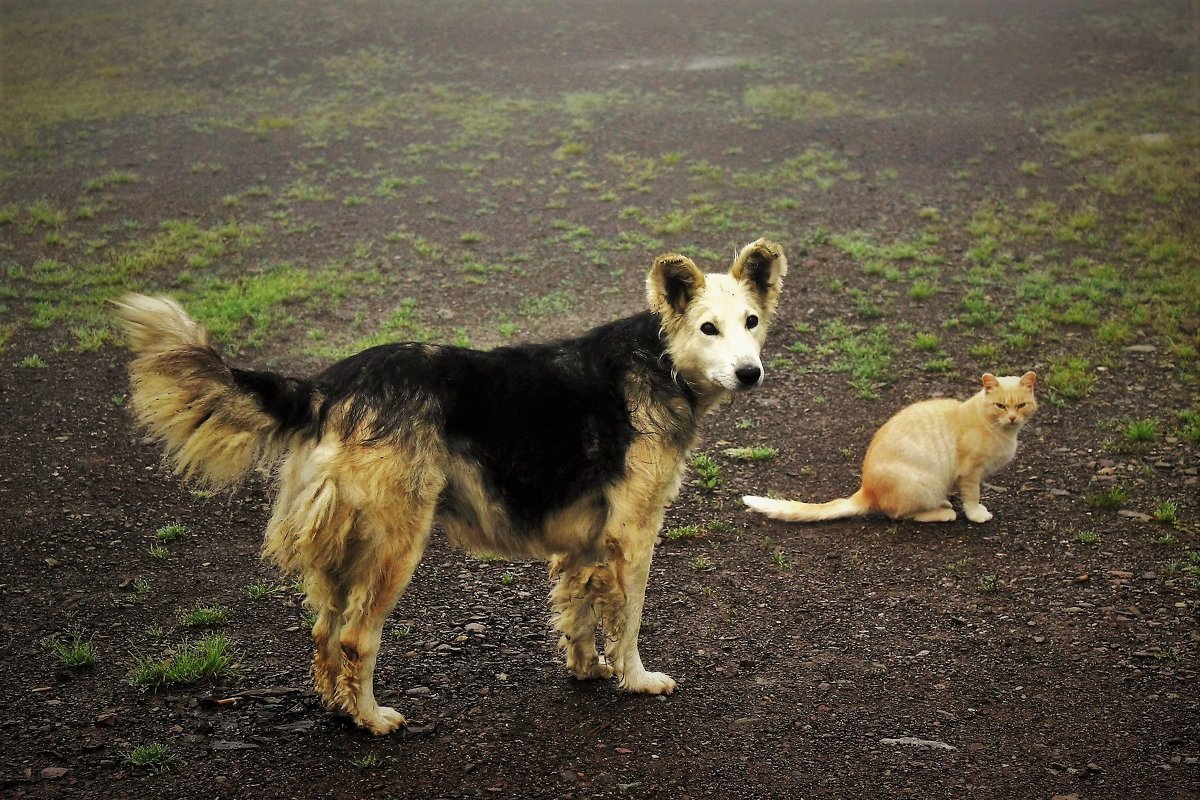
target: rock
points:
(913, 741)
(1137, 515)
(225, 744)
(1141, 348)
(475, 627)
(300, 726)
(54, 773)
(419, 691)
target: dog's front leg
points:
(622, 614)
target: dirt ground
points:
(308, 176)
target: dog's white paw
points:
(649, 683)
(977, 513)
(384, 721)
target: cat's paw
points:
(977, 513)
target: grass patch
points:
(154, 757)
(1069, 378)
(751, 453)
(73, 652)
(682, 534)
(205, 616)
(1109, 499)
(206, 659)
(708, 471)
(261, 589)
(866, 356)
(787, 101)
(1140, 431)
(170, 533)
(1166, 511)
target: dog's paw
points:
(649, 683)
(977, 513)
(384, 721)
(595, 671)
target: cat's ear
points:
(990, 381)
(672, 283)
(1029, 380)
(762, 265)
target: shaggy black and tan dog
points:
(568, 451)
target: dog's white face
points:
(721, 336)
(716, 323)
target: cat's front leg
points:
(968, 490)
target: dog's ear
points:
(672, 283)
(762, 265)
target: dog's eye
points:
(751, 322)
(708, 329)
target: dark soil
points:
(1032, 663)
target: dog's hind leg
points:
(389, 543)
(323, 597)
(575, 597)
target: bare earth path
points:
(962, 187)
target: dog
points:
(568, 451)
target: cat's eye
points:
(1001, 405)
(751, 322)
(1022, 405)
(708, 329)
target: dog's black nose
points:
(748, 376)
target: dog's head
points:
(716, 323)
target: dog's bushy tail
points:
(856, 505)
(216, 421)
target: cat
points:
(925, 452)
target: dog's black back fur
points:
(545, 422)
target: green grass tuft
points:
(206, 659)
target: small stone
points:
(300, 726)
(913, 741)
(54, 773)
(418, 691)
(1141, 348)
(475, 627)
(225, 744)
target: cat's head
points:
(1009, 401)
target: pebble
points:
(931, 744)
(225, 744)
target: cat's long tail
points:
(856, 505)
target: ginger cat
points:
(925, 452)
